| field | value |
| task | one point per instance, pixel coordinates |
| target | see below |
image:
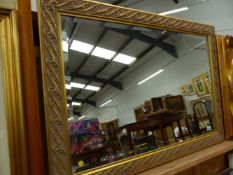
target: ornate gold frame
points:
(225, 54)
(50, 12)
(205, 91)
(13, 91)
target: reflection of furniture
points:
(85, 156)
(168, 118)
(139, 113)
(159, 105)
(171, 103)
(111, 128)
(125, 143)
(158, 122)
(93, 157)
(142, 110)
(146, 125)
(145, 143)
(162, 106)
(201, 112)
(174, 103)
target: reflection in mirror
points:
(131, 90)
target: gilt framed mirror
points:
(125, 90)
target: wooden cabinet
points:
(159, 105)
(139, 113)
(111, 128)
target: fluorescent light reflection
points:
(174, 11)
(81, 46)
(81, 86)
(76, 104)
(125, 59)
(105, 103)
(65, 46)
(80, 118)
(71, 118)
(163, 32)
(68, 86)
(68, 105)
(77, 85)
(151, 76)
(92, 88)
(103, 53)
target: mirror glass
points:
(131, 90)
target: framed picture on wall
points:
(199, 85)
(206, 77)
(191, 89)
(184, 90)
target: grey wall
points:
(10, 4)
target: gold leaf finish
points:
(229, 42)
(99, 10)
(54, 92)
(59, 156)
(229, 72)
(13, 93)
(225, 54)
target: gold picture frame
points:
(207, 81)
(184, 90)
(13, 97)
(191, 89)
(225, 58)
(200, 86)
(58, 147)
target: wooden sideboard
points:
(159, 121)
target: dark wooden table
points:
(160, 121)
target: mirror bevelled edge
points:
(53, 82)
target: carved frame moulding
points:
(50, 12)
